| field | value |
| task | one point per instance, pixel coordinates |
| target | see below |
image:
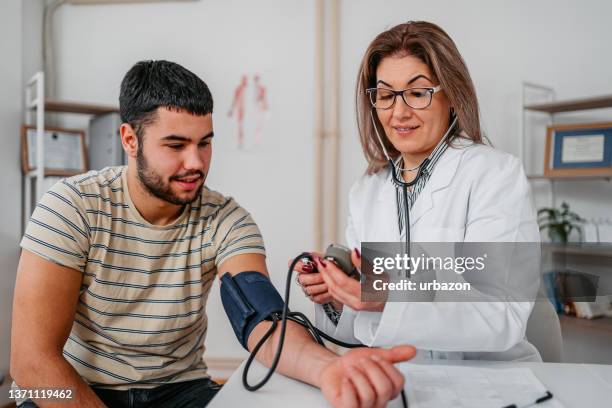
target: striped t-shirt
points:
(140, 319)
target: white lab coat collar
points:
(441, 177)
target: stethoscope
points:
(399, 180)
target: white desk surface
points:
(575, 385)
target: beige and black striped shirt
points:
(141, 318)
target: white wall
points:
(563, 44)
(31, 28)
(10, 176)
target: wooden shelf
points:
(598, 323)
(584, 249)
(571, 178)
(586, 341)
(78, 107)
(598, 102)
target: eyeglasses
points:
(416, 98)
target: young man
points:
(117, 265)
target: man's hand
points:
(365, 377)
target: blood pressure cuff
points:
(249, 298)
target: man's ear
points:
(129, 140)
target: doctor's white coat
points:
(475, 194)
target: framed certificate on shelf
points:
(65, 151)
(579, 150)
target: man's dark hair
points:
(149, 85)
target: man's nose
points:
(193, 159)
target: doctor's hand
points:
(344, 289)
(365, 377)
(312, 283)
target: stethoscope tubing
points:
(399, 180)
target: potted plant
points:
(559, 223)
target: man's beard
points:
(156, 186)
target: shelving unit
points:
(35, 107)
(52, 105)
(36, 86)
(570, 178)
(554, 107)
(590, 249)
(598, 102)
(584, 340)
(551, 108)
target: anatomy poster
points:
(249, 111)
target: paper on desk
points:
(472, 387)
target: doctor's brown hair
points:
(430, 44)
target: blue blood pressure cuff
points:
(248, 299)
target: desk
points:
(575, 385)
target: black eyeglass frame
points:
(431, 90)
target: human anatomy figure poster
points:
(249, 118)
(261, 108)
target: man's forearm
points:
(302, 358)
(55, 372)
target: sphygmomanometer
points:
(250, 297)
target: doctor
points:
(429, 168)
